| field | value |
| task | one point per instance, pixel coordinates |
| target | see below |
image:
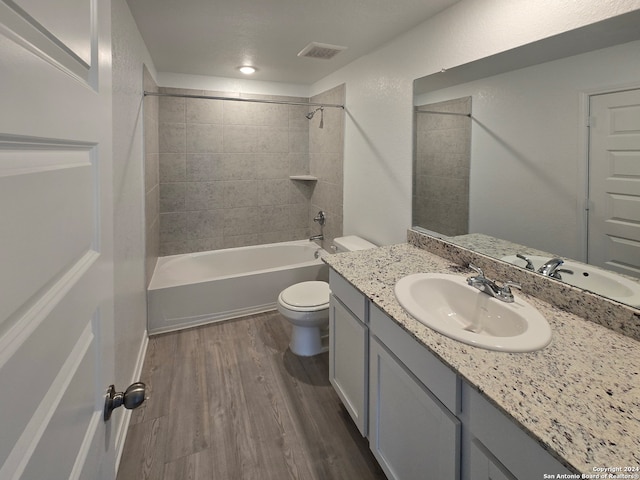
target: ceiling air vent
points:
(322, 51)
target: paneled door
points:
(614, 181)
(56, 262)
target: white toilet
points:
(306, 306)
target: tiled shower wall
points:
(224, 172)
(151, 179)
(326, 147)
(441, 176)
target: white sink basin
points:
(449, 306)
(590, 278)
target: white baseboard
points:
(123, 427)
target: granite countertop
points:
(579, 397)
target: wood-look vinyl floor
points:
(230, 401)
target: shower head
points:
(311, 114)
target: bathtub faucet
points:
(316, 237)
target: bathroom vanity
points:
(432, 407)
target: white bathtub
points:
(198, 288)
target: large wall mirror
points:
(536, 151)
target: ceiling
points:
(214, 37)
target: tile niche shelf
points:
(304, 178)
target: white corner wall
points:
(379, 122)
(130, 305)
(238, 85)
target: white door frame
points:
(582, 213)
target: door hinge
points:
(591, 121)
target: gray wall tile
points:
(203, 111)
(225, 166)
(172, 167)
(204, 138)
(172, 137)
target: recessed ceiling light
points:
(247, 70)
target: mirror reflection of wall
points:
(442, 162)
(529, 152)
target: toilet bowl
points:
(306, 306)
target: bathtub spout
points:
(316, 237)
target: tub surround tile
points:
(240, 221)
(241, 193)
(237, 157)
(204, 138)
(205, 224)
(171, 110)
(247, 113)
(172, 167)
(238, 166)
(275, 237)
(204, 167)
(203, 111)
(232, 241)
(271, 166)
(173, 137)
(172, 197)
(204, 195)
(205, 244)
(299, 140)
(273, 192)
(151, 112)
(578, 397)
(173, 227)
(298, 163)
(273, 218)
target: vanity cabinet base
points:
(411, 434)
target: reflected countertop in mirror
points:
(617, 287)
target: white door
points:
(56, 279)
(614, 182)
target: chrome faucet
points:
(489, 287)
(552, 268)
(320, 218)
(316, 237)
(529, 265)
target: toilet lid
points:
(306, 294)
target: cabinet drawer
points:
(442, 381)
(348, 295)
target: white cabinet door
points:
(56, 274)
(412, 435)
(484, 466)
(348, 362)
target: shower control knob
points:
(131, 398)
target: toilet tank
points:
(351, 243)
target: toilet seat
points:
(306, 296)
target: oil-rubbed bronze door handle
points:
(131, 398)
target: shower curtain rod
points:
(443, 113)
(238, 99)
